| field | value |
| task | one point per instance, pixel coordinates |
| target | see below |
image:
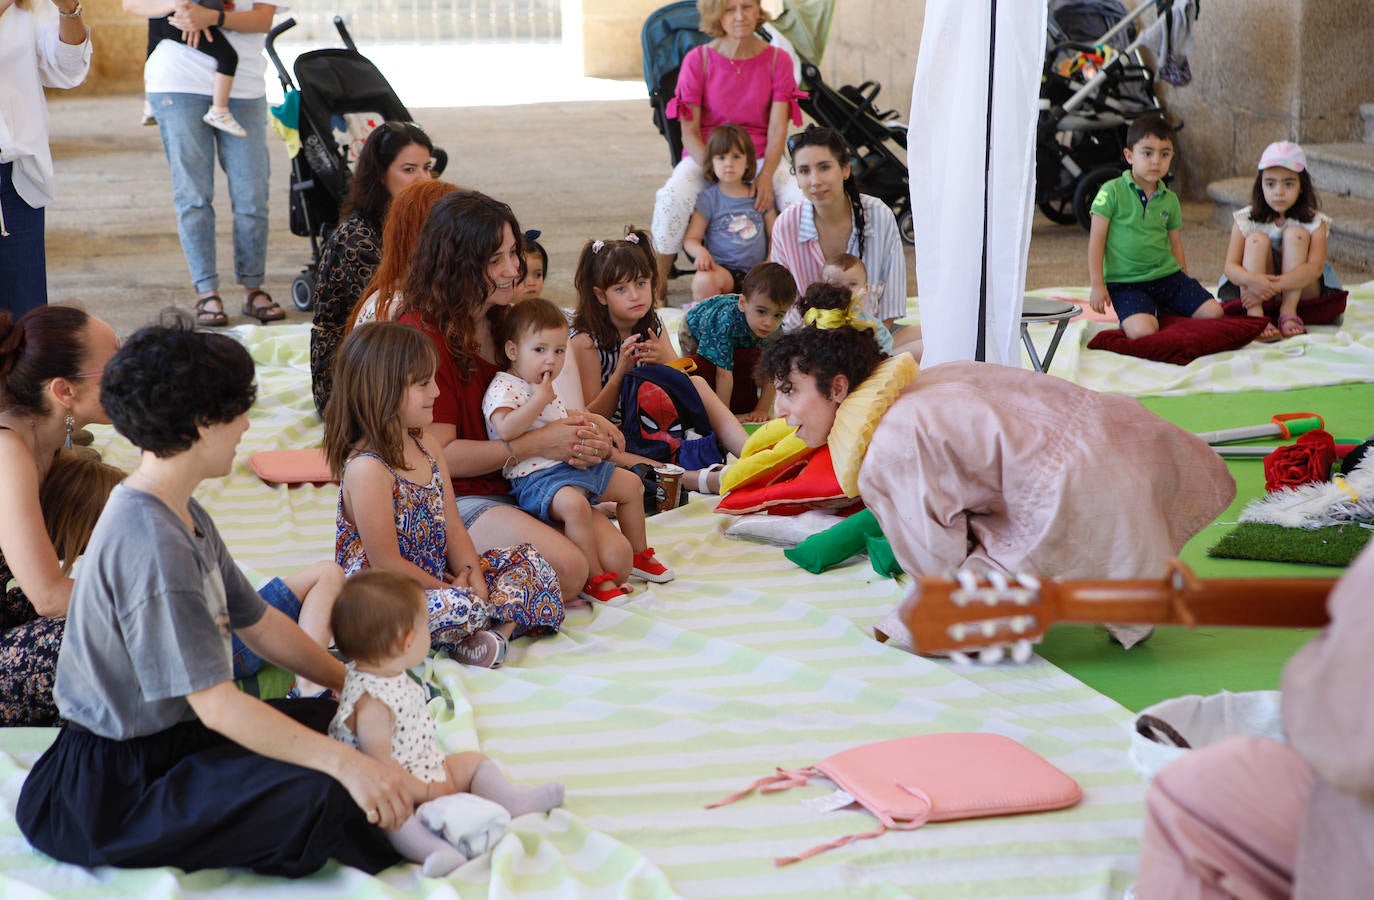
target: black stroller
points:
(1088, 98)
(671, 32)
(330, 83)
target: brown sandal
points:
(263, 312)
(211, 318)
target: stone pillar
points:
(876, 40)
(1269, 70)
(120, 47)
(610, 37)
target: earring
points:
(71, 423)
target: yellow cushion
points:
(771, 447)
(858, 415)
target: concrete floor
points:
(574, 170)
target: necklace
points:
(735, 63)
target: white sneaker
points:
(224, 122)
(148, 117)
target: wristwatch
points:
(220, 23)
(74, 14)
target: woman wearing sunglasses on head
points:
(394, 156)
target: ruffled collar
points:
(858, 415)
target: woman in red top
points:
(465, 272)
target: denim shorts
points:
(535, 491)
(471, 506)
(278, 596)
(1177, 294)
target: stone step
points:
(1345, 169)
(1352, 228)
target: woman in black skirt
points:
(162, 761)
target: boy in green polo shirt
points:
(1135, 254)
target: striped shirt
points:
(797, 247)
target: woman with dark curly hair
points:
(998, 467)
(395, 155)
(466, 272)
(50, 365)
(162, 760)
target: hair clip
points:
(597, 245)
(632, 238)
(533, 234)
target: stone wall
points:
(1263, 70)
(120, 47)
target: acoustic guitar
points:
(968, 614)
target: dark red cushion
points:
(1321, 310)
(745, 394)
(1181, 340)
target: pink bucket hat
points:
(1285, 154)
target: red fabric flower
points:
(1310, 459)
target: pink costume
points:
(980, 463)
(739, 91)
(1253, 818)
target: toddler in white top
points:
(535, 338)
(381, 623)
(1278, 243)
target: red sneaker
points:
(601, 587)
(650, 569)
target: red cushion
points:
(808, 483)
(1181, 340)
(1321, 310)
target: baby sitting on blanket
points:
(381, 624)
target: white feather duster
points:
(1341, 501)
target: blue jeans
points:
(191, 147)
(23, 263)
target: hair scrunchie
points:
(837, 318)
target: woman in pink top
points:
(736, 78)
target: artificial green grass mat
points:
(1180, 661)
(1337, 545)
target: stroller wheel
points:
(1059, 210)
(906, 227)
(1086, 192)
(302, 291)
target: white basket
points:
(1206, 720)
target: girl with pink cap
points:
(1278, 243)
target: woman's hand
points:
(576, 440)
(605, 428)
(379, 789)
(193, 20)
(762, 189)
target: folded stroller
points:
(339, 98)
(1094, 84)
(671, 32)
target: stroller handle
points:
(284, 25)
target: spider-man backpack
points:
(663, 419)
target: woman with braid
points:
(838, 219)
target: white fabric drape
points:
(947, 141)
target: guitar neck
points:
(1259, 602)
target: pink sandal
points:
(1292, 326)
(1270, 334)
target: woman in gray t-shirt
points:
(163, 761)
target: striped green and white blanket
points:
(651, 711)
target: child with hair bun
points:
(381, 624)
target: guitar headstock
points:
(969, 613)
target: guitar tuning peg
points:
(999, 581)
(959, 658)
(991, 656)
(989, 628)
(1021, 651)
(966, 580)
(958, 631)
(1028, 581)
(1020, 624)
